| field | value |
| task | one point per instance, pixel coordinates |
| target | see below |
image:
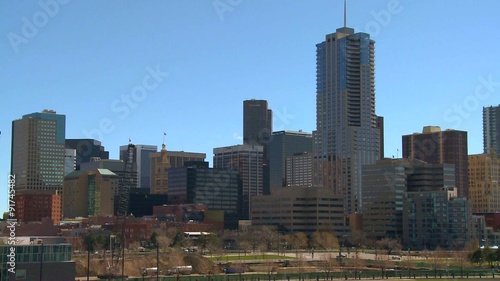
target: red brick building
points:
(35, 207)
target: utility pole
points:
(41, 262)
(157, 261)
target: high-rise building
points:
(299, 169)
(38, 151)
(257, 122)
(246, 159)
(142, 161)
(164, 160)
(218, 189)
(491, 129)
(257, 130)
(484, 183)
(282, 145)
(347, 132)
(438, 147)
(86, 149)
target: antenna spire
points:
(345, 13)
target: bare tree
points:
(390, 245)
(324, 240)
(437, 259)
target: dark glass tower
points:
(257, 130)
(347, 133)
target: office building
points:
(161, 161)
(385, 184)
(142, 202)
(247, 160)
(347, 133)
(218, 189)
(38, 152)
(257, 130)
(56, 263)
(299, 169)
(300, 209)
(90, 193)
(491, 129)
(484, 180)
(436, 218)
(34, 206)
(257, 122)
(284, 144)
(141, 161)
(438, 147)
(86, 149)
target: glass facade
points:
(347, 135)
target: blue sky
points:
(136, 69)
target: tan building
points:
(484, 189)
(300, 209)
(162, 161)
(89, 193)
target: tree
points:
(324, 240)
(153, 240)
(390, 245)
(476, 256)
(437, 259)
(489, 256)
(90, 242)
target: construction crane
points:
(127, 182)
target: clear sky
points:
(136, 69)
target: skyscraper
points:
(257, 122)
(347, 135)
(38, 151)
(491, 128)
(257, 130)
(441, 147)
(246, 159)
(285, 144)
(141, 160)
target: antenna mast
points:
(345, 13)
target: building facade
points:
(300, 209)
(35, 206)
(141, 161)
(86, 149)
(218, 189)
(438, 147)
(491, 129)
(385, 185)
(284, 144)
(247, 160)
(257, 122)
(299, 169)
(90, 193)
(484, 180)
(164, 160)
(347, 134)
(38, 152)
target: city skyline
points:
(85, 57)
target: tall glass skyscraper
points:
(491, 128)
(347, 134)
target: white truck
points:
(149, 271)
(181, 269)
